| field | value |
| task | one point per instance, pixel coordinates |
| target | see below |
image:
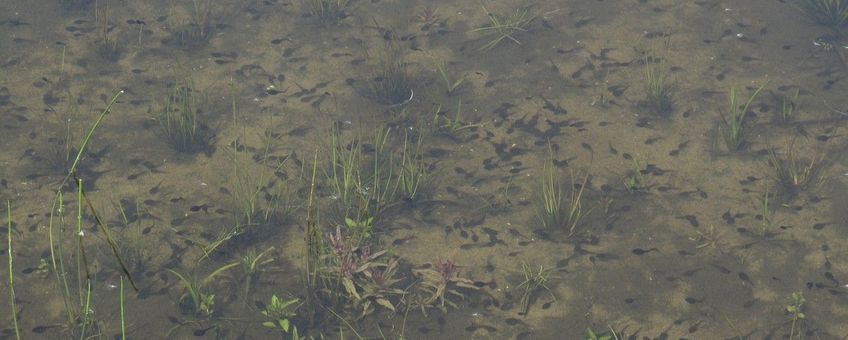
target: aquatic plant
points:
(788, 105)
(195, 28)
(440, 284)
(197, 297)
(557, 210)
(659, 91)
(797, 315)
(329, 12)
(414, 177)
(80, 319)
(252, 264)
(505, 27)
(764, 214)
(592, 335)
(392, 85)
(279, 313)
(535, 279)
(635, 179)
(11, 254)
(179, 121)
(452, 83)
(831, 13)
(110, 35)
(793, 173)
(451, 126)
(734, 124)
(354, 274)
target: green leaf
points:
(284, 324)
(350, 287)
(385, 303)
(269, 324)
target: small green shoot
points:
(197, 296)
(361, 231)
(797, 315)
(451, 85)
(252, 264)
(635, 180)
(659, 90)
(788, 106)
(452, 126)
(279, 312)
(734, 123)
(764, 215)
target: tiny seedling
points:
(764, 214)
(635, 180)
(788, 106)
(797, 315)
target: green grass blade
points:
(72, 170)
(12, 271)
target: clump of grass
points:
(415, 178)
(197, 297)
(795, 174)
(505, 27)
(733, 126)
(557, 209)
(392, 85)
(831, 13)
(179, 121)
(535, 280)
(361, 176)
(329, 12)
(659, 91)
(194, 28)
(110, 35)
